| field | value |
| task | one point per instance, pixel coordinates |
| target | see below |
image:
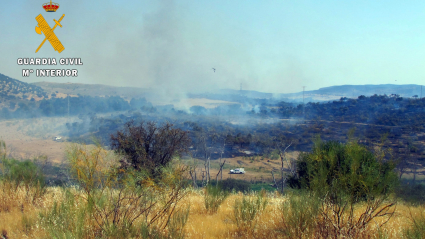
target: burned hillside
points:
(255, 132)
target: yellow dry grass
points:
(15, 210)
(200, 224)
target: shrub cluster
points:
(338, 170)
(411, 193)
(214, 197)
(237, 185)
(17, 177)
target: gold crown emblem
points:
(51, 7)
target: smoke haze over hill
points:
(171, 46)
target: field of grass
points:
(20, 218)
(97, 208)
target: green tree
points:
(342, 177)
(149, 146)
(338, 170)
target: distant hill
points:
(91, 89)
(247, 93)
(322, 94)
(12, 90)
(353, 91)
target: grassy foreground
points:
(104, 200)
(20, 218)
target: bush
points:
(260, 186)
(349, 170)
(238, 185)
(177, 223)
(247, 210)
(125, 203)
(16, 176)
(274, 155)
(67, 219)
(299, 214)
(411, 193)
(343, 176)
(149, 146)
(25, 173)
(214, 197)
(417, 227)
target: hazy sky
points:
(267, 45)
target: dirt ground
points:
(29, 138)
(256, 168)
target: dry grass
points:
(220, 225)
(20, 220)
(257, 168)
(19, 217)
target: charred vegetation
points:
(248, 133)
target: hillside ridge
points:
(12, 89)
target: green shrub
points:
(21, 172)
(25, 175)
(299, 214)
(67, 219)
(231, 184)
(274, 155)
(125, 203)
(411, 193)
(149, 146)
(177, 223)
(337, 170)
(417, 227)
(2, 150)
(247, 210)
(214, 197)
(260, 186)
(342, 176)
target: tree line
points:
(82, 105)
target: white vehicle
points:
(237, 171)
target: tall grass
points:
(416, 230)
(122, 204)
(214, 197)
(67, 218)
(26, 176)
(247, 210)
(295, 215)
(299, 214)
(107, 203)
(21, 182)
(354, 220)
(178, 222)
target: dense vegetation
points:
(343, 176)
(344, 170)
(215, 136)
(256, 136)
(149, 147)
(110, 201)
(83, 106)
(11, 89)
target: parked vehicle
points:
(237, 171)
